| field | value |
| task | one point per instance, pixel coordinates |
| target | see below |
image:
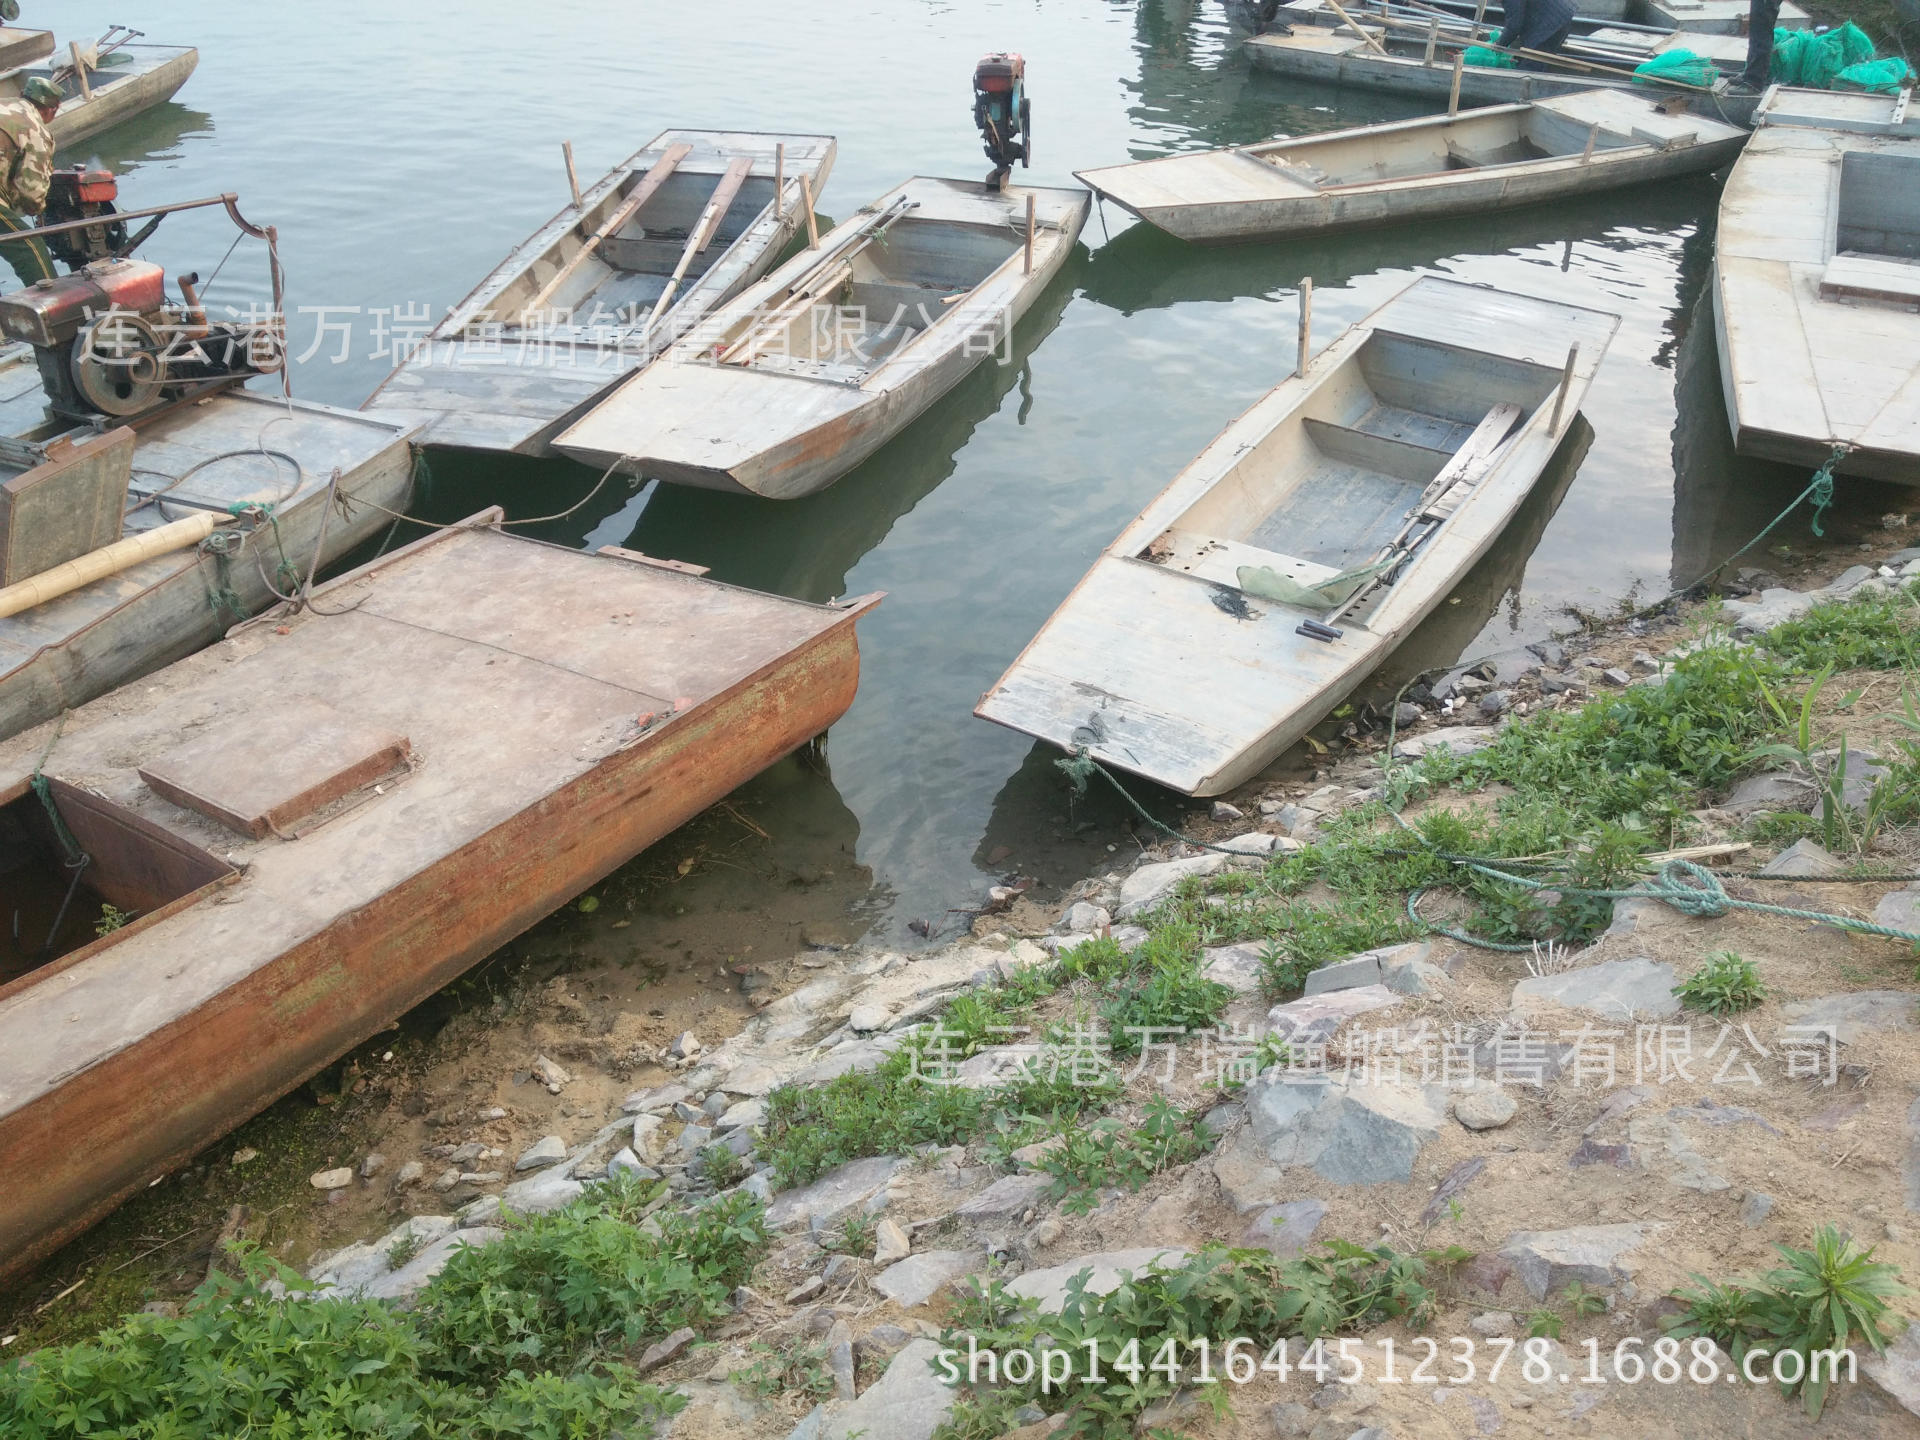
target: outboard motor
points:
(1000, 110)
(81, 194)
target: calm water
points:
(403, 149)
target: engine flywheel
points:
(117, 364)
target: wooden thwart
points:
(704, 229)
(643, 192)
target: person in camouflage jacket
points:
(26, 169)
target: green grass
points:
(1112, 1152)
(1726, 984)
(523, 1338)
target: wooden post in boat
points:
(1306, 326)
(806, 204)
(1433, 40)
(1593, 134)
(780, 181)
(1453, 95)
(1354, 25)
(1560, 395)
(573, 179)
(643, 192)
(1029, 269)
(1479, 17)
(80, 70)
(704, 228)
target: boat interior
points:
(76, 868)
(1879, 211)
(1339, 478)
(116, 67)
(844, 318)
(1513, 136)
(630, 269)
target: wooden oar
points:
(1353, 25)
(703, 231)
(643, 192)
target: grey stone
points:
(1224, 812)
(481, 1177)
(1259, 842)
(890, 1243)
(688, 1112)
(547, 1150)
(1237, 967)
(1755, 1208)
(372, 1165)
(908, 1402)
(1684, 1165)
(1593, 1152)
(1485, 1108)
(1222, 1117)
(866, 1018)
(806, 1290)
(1248, 1177)
(482, 1211)
(1493, 703)
(1313, 1019)
(918, 1278)
(1290, 1418)
(625, 1162)
(647, 1142)
(715, 1105)
(1803, 858)
(840, 1359)
(1084, 917)
(1897, 1372)
(1006, 1199)
(1637, 988)
(446, 1180)
(1849, 578)
(408, 1174)
(1453, 1185)
(834, 1196)
(658, 1097)
(1899, 910)
(1403, 969)
(1285, 1230)
(1547, 1261)
(539, 1194)
(464, 1155)
(661, 1351)
(351, 1268)
(1852, 1014)
(1458, 739)
(1150, 884)
(693, 1138)
(550, 1074)
(1491, 1323)
(1552, 684)
(1616, 677)
(745, 1115)
(1549, 652)
(1349, 1134)
(335, 1179)
(1406, 713)
(1766, 610)
(1104, 1270)
(1768, 792)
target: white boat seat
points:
(1210, 558)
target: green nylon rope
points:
(1080, 767)
(1689, 888)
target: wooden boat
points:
(301, 484)
(1697, 17)
(1406, 64)
(1480, 160)
(1286, 562)
(1816, 287)
(328, 816)
(131, 78)
(802, 377)
(695, 215)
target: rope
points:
(1689, 888)
(422, 472)
(1079, 767)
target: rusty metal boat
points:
(327, 816)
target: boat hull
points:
(149, 1106)
(116, 98)
(1225, 217)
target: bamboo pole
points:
(1453, 95)
(80, 70)
(1593, 134)
(573, 179)
(1433, 42)
(1306, 326)
(1029, 269)
(642, 193)
(1354, 25)
(108, 560)
(806, 204)
(703, 231)
(1560, 395)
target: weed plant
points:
(1726, 984)
(1110, 1152)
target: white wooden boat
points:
(1480, 160)
(305, 483)
(1697, 17)
(132, 78)
(802, 377)
(695, 215)
(1817, 284)
(1406, 64)
(328, 816)
(1361, 491)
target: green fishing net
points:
(1803, 58)
(1493, 59)
(1266, 583)
(1683, 67)
(1883, 77)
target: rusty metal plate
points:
(266, 771)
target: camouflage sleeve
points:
(36, 170)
